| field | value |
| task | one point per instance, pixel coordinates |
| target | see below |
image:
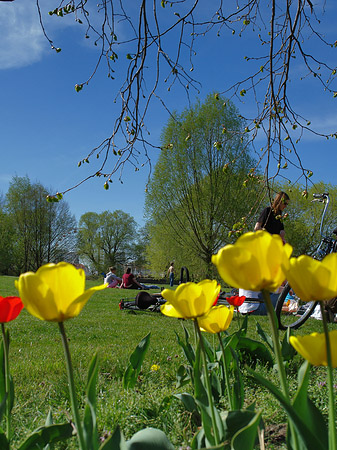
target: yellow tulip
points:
(55, 292)
(217, 319)
(312, 279)
(190, 300)
(258, 260)
(313, 347)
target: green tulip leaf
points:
(4, 444)
(306, 409)
(11, 393)
(256, 350)
(187, 347)
(3, 406)
(49, 421)
(136, 361)
(198, 440)
(211, 355)
(216, 385)
(246, 436)
(244, 327)
(307, 438)
(2, 373)
(114, 442)
(47, 435)
(201, 398)
(238, 393)
(89, 422)
(188, 401)
(149, 439)
(265, 337)
(288, 351)
(182, 376)
(234, 421)
(231, 360)
(4, 398)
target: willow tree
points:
(199, 188)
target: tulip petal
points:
(313, 347)
(190, 300)
(55, 292)
(78, 304)
(37, 297)
(256, 261)
(65, 281)
(312, 279)
(10, 308)
(169, 310)
(217, 319)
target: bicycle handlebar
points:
(320, 197)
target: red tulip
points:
(236, 300)
(216, 301)
(10, 308)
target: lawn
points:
(39, 373)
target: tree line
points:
(34, 232)
(199, 199)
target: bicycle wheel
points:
(295, 320)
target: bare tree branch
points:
(160, 47)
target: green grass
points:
(38, 369)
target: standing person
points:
(269, 220)
(111, 278)
(271, 217)
(170, 274)
(129, 281)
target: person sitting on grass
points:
(111, 278)
(129, 281)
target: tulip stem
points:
(238, 316)
(278, 356)
(208, 385)
(276, 342)
(226, 373)
(72, 390)
(332, 412)
(7, 382)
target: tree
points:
(138, 250)
(106, 239)
(303, 223)
(44, 232)
(158, 49)
(88, 239)
(7, 243)
(199, 186)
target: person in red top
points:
(129, 281)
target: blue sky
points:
(46, 127)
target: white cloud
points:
(325, 123)
(21, 39)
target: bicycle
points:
(327, 245)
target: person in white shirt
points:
(111, 278)
(254, 303)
